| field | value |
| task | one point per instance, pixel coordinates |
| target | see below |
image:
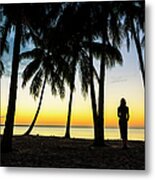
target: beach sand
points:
(56, 152)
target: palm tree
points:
(8, 131)
(97, 25)
(18, 15)
(45, 64)
(134, 28)
(77, 57)
(72, 86)
(78, 14)
(72, 53)
(139, 22)
(110, 54)
(86, 23)
(34, 69)
(109, 26)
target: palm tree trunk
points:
(67, 135)
(101, 84)
(139, 52)
(101, 102)
(92, 93)
(9, 123)
(38, 109)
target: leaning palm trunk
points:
(9, 123)
(139, 52)
(38, 109)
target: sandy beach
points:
(56, 152)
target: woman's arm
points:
(127, 114)
(118, 113)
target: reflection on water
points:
(78, 132)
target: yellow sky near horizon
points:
(54, 110)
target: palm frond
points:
(97, 49)
(36, 84)
(53, 88)
(4, 45)
(34, 53)
(57, 85)
(26, 36)
(1, 68)
(61, 88)
(112, 56)
(84, 75)
(115, 29)
(111, 53)
(143, 41)
(30, 71)
(128, 41)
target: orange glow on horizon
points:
(54, 110)
(76, 120)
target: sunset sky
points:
(121, 81)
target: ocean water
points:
(78, 132)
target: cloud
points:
(118, 81)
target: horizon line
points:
(74, 126)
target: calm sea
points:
(78, 132)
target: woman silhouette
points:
(123, 114)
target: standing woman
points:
(123, 114)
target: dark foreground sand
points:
(39, 151)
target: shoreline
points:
(78, 132)
(59, 152)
